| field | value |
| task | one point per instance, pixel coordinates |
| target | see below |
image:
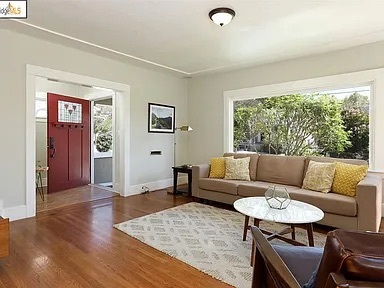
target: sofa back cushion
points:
(278, 169)
(254, 157)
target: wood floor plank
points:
(69, 197)
(77, 246)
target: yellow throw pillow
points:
(347, 176)
(237, 169)
(218, 167)
(319, 176)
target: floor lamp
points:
(185, 128)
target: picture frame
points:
(161, 118)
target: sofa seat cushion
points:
(258, 188)
(328, 202)
(220, 185)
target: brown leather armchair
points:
(349, 259)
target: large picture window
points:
(330, 123)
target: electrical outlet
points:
(144, 189)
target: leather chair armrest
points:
(369, 201)
(336, 280)
(199, 171)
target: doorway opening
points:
(64, 143)
(122, 125)
(102, 126)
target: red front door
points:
(68, 142)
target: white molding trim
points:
(102, 47)
(228, 123)
(156, 185)
(30, 147)
(15, 212)
(121, 156)
(92, 127)
(374, 78)
(99, 95)
(122, 98)
(97, 155)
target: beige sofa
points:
(362, 212)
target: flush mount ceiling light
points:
(222, 16)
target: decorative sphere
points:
(277, 197)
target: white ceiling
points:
(179, 35)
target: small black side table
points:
(182, 169)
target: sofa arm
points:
(199, 171)
(369, 203)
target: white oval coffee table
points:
(296, 213)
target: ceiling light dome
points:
(222, 16)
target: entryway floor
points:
(72, 196)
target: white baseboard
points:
(20, 212)
(15, 213)
(156, 185)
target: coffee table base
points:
(278, 235)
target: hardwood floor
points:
(76, 246)
(69, 197)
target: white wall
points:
(146, 86)
(205, 94)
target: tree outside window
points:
(333, 124)
(103, 127)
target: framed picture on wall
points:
(161, 118)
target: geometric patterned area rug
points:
(205, 237)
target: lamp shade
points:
(184, 128)
(222, 16)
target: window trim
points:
(373, 78)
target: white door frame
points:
(122, 97)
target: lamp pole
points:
(186, 128)
(174, 148)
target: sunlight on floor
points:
(72, 196)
